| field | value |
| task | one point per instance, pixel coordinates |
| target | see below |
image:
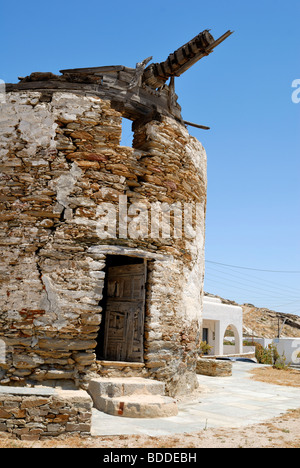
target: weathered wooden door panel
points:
(125, 313)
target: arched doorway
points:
(231, 340)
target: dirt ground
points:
(288, 377)
(281, 432)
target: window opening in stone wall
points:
(121, 334)
(127, 133)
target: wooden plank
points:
(92, 70)
(181, 55)
(203, 127)
(137, 269)
(133, 365)
(125, 76)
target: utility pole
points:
(280, 328)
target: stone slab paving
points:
(234, 401)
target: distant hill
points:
(264, 323)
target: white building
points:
(217, 317)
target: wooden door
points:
(125, 313)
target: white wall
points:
(217, 317)
(265, 342)
(289, 347)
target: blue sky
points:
(242, 91)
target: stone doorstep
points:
(132, 397)
(118, 386)
(140, 406)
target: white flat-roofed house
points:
(218, 318)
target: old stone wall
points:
(214, 368)
(60, 160)
(34, 414)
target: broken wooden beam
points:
(203, 127)
(202, 53)
(182, 59)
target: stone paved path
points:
(226, 402)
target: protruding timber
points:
(135, 92)
(191, 124)
(182, 59)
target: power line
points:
(253, 269)
(252, 289)
(254, 279)
(254, 285)
(275, 300)
(294, 311)
(214, 288)
(287, 303)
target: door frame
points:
(103, 331)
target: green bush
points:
(270, 356)
(204, 347)
(281, 363)
(263, 355)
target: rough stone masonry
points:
(61, 159)
(34, 414)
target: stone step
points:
(116, 386)
(138, 406)
(132, 397)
